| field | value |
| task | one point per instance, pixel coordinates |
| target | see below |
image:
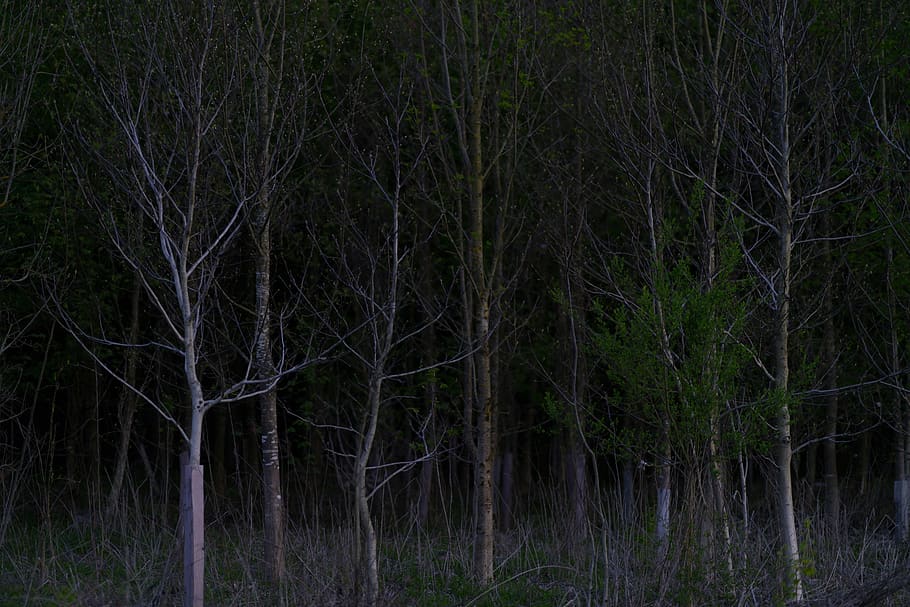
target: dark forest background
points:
(455, 302)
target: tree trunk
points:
(901, 496)
(483, 479)
(468, 386)
(426, 466)
(365, 520)
(783, 450)
(192, 489)
(127, 403)
(663, 498)
(865, 456)
(720, 516)
(423, 500)
(483, 461)
(577, 475)
(576, 378)
(192, 506)
(272, 503)
(75, 418)
(829, 446)
(900, 485)
(742, 463)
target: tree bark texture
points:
(272, 507)
(272, 502)
(483, 461)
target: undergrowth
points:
(73, 558)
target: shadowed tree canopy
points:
(454, 302)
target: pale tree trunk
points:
(127, 404)
(653, 210)
(383, 334)
(742, 464)
(365, 521)
(192, 493)
(190, 307)
(380, 302)
(783, 450)
(664, 456)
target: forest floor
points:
(72, 558)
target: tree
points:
(477, 80)
(23, 46)
(780, 111)
(164, 77)
(371, 257)
(265, 145)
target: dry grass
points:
(75, 558)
